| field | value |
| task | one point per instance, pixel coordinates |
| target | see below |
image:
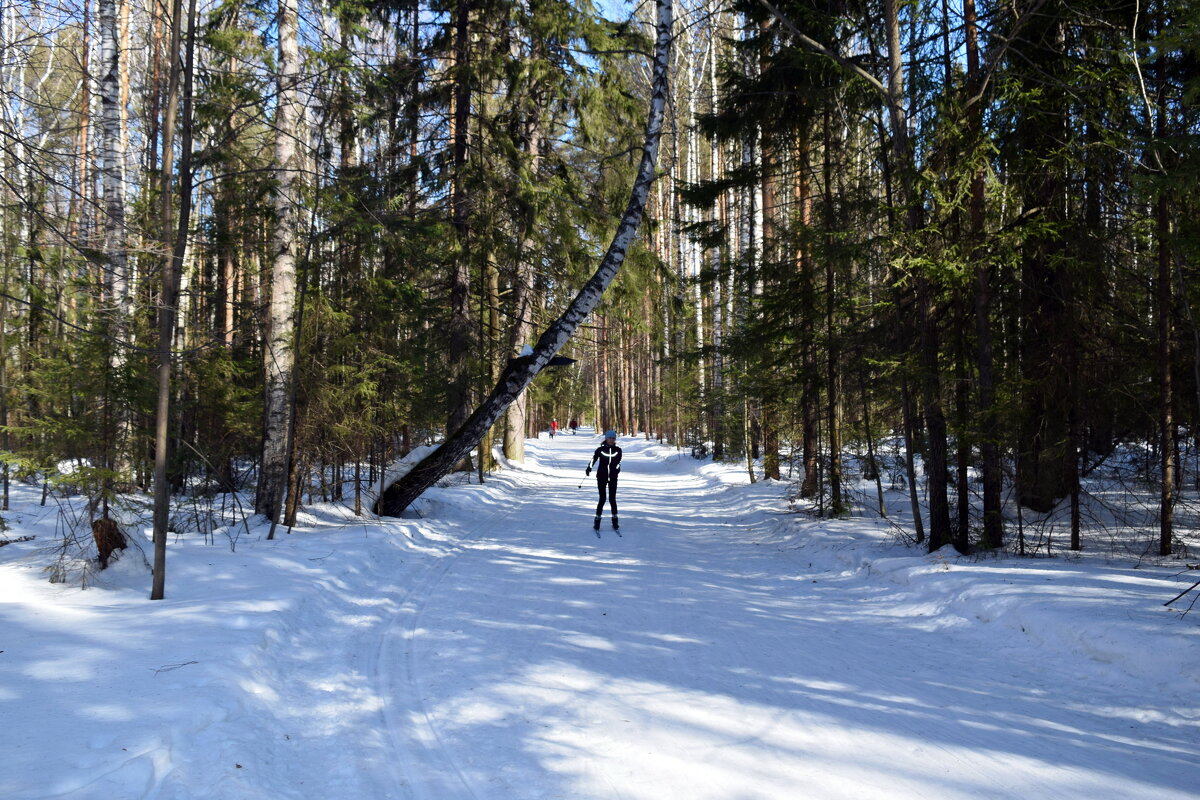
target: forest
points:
(263, 248)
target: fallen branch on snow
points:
(1185, 591)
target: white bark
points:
(112, 171)
(721, 218)
(664, 252)
(693, 217)
(280, 329)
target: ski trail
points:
(426, 766)
(697, 657)
(453, 637)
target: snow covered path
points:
(497, 649)
(689, 658)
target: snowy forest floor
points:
(494, 647)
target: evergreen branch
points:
(813, 44)
(996, 54)
(123, 344)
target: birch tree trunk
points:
(692, 217)
(79, 200)
(112, 162)
(716, 167)
(9, 132)
(521, 371)
(280, 325)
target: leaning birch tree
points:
(520, 372)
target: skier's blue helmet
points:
(610, 434)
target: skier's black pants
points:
(611, 483)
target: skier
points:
(609, 456)
(553, 427)
(573, 424)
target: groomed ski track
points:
(698, 656)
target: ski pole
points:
(585, 477)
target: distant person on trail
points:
(574, 424)
(553, 427)
(609, 456)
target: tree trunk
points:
(1166, 395)
(117, 279)
(9, 165)
(872, 460)
(522, 300)
(1046, 465)
(278, 353)
(79, 199)
(1164, 309)
(927, 345)
(716, 167)
(489, 334)
(5, 441)
(810, 390)
(172, 270)
(521, 371)
(962, 392)
(748, 434)
(459, 334)
(993, 521)
(832, 377)
(768, 240)
(910, 466)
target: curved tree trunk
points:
(521, 371)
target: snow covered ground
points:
(719, 649)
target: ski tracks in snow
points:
(427, 768)
(503, 675)
(701, 656)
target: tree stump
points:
(108, 538)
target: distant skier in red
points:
(553, 427)
(609, 456)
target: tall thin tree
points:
(278, 357)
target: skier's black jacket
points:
(609, 456)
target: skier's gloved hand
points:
(588, 471)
